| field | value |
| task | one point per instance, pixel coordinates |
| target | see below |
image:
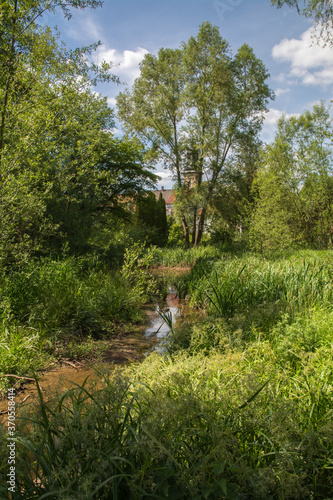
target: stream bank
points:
(123, 349)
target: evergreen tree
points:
(150, 214)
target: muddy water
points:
(126, 349)
(180, 312)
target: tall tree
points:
(295, 184)
(59, 163)
(155, 110)
(196, 106)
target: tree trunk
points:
(200, 227)
(186, 232)
(194, 228)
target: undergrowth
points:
(240, 425)
(239, 407)
(46, 302)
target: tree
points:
(29, 56)
(155, 110)
(196, 107)
(151, 215)
(60, 166)
(295, 184)
(233, 203)
(319, 10)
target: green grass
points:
(46, 302)
(248, 297)
(240, 407)
(21, 350)
(61, 294)
(232, 284)
(238, 425)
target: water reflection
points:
(157, 326)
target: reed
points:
(233, 425)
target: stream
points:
(126, 349)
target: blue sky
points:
(301, 70)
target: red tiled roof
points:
(170, 200)
(166, 193)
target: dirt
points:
(120, 350)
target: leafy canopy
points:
(294, 185)
(196, 107)
(60, 165)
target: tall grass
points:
(229, 426)
(179, 257)
(241, 409)
(21, 350)
(237, 283)
(47, 302)
(59, 293)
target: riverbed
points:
(125, 349)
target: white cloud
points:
(117, 131)
(323, 77)
(280, 91)
(164, 175)
(281, 77)
(111, 102)
(166, 180)
(273, 116)
(84, 27)
(270, 122)
(311, 63)
(126, 62)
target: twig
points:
(16, 376)
(69, 363)
(78, 363)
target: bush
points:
(66, 294)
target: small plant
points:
(142, 284)
(22, 350)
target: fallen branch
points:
(69, 363)
(16, 376)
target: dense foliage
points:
(150, 214)
(60, 166)
(241, 408)
(294, 190)
(235, 405)
(198, 108)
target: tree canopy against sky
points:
(195, 107)
(59, 161)
(319, 10)
(294, 185)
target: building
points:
(169, 199)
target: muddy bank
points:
(120, 350)
(124, 349)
